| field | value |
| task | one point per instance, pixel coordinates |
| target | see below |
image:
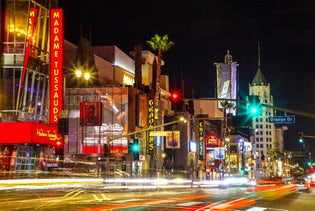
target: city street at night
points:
(94, 195)
(157, 106)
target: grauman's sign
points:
(151, 125)
(56, 64)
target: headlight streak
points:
(149, 203)
(258, 192)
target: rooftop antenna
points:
(182, 82)
(90, 33)
(81, 30)
(258, 55)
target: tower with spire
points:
(264, 135)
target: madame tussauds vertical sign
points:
(56, 63)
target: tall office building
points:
(264, 135)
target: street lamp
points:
(79, 73)
(79, 77)
(74, 79)
(87, 76)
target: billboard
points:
(90, 114)
(56, 64)
(111, 105)
(114, 110)
(226, 81)
(173, 140)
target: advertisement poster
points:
(111, 112)
(90, 114)
(173, 140)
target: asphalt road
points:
(83, 197)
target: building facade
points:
(27, 139)
(265, 133)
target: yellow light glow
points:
(86, 76)
(78, 73)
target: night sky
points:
(203, 31)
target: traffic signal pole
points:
(300, 113)
(291, 111)
(109, 140)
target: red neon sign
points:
(212, 140)
(56, 64)
(32, 133)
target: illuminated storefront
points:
(24, 150)
(26, 137)
(112, 113)
(215, 154)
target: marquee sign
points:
(201, 140)
(56, 64)
(151, 124)
(212, 140)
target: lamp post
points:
(228, 145)
(74, 78)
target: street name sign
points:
(281, 119)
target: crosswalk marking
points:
(191, 203)
(256, 209)
(263, 208)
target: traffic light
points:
(300, 137)
(106, 150)
(59, 149)
(175, 96)
(308, 163)
(254, 106)
(134, 148)
(176, 100)
(242, 171)
(190, 107)
(63, 126)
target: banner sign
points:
(201, 140)
(151, 124)
(56, 64)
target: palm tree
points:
(227, 106)
(160, 44)
(272, 154)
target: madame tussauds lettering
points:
(56, 55)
